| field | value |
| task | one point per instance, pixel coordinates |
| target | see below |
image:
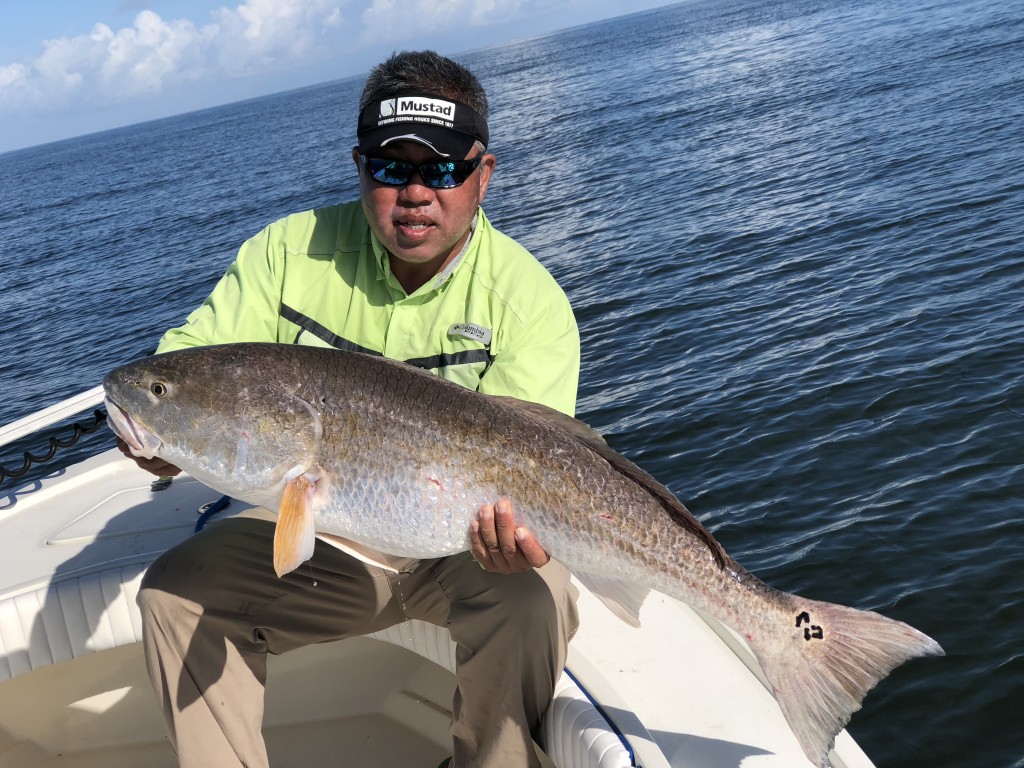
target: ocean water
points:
(793, 234)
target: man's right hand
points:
(155, 465)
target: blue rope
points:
(600, 709)
(209, 510)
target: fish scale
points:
(392, 460)
(416, 459)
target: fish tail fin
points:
(829, 658)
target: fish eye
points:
(158, 388)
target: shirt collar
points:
(384, 266)
(444, 274)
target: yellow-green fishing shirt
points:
(494, 320)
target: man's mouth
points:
(414, 226)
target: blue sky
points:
(69, 67)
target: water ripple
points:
(791, 233)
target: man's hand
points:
(155, 465)
(499, 546)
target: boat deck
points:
(681, 691)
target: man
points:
(413, 271)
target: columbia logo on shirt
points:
(471, 331)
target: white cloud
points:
(259, 33)
(12, 74)
(109, 67)
(155, 67)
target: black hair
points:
(423, 73)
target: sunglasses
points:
(441, 174)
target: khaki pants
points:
(212, 609)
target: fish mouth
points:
(140, 441)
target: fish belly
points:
(421, 513)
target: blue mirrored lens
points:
(445, 174)
(393, 172)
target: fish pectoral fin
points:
(358, 551)
(294, 536)
(623, 598)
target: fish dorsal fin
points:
(294, 536)
(581, 431)
(675, 508)
(623, 598)
(358, 551)
(593, 440)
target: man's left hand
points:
(501, 547)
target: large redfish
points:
(395, 460)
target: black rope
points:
(56, 444)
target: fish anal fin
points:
(359, 551)
(623, 598)
(294, 536)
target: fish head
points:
(232, 416)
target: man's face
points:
(421, 227)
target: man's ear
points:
(485, 170)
